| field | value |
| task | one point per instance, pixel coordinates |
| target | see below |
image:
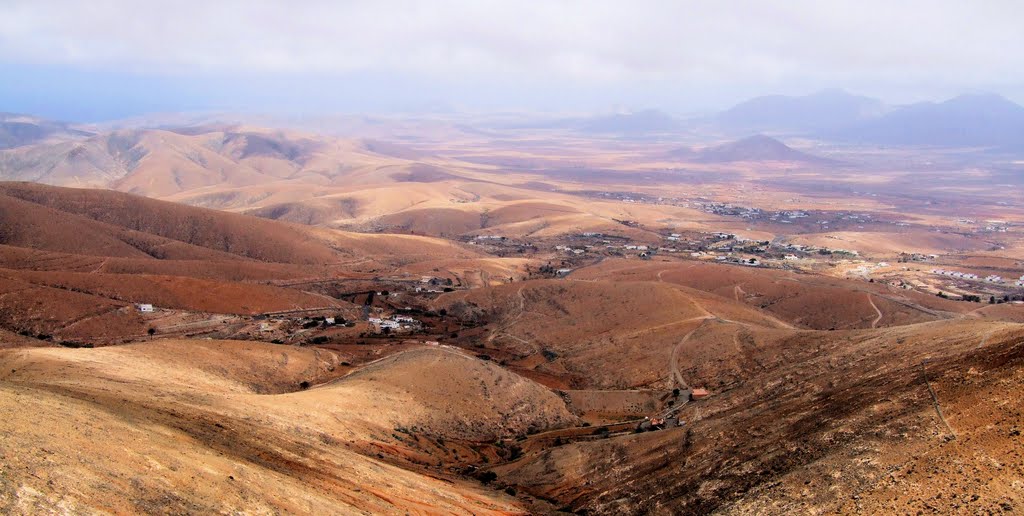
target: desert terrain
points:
(504, 315)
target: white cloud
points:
(722, 42)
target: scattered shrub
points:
(487, 476)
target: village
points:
(571, 251)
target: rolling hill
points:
(74, 262)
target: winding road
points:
(879, 312)
(674, 361)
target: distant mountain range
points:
(985, 120)
(17, 130)
(826, 110)
(968, 120)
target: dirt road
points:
(879, 312)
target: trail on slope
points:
(879, 312)
(737, 290)
(674, 360)
(513, 321)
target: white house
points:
(145, 307)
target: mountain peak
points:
(758, 147)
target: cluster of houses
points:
(577, 251)
(916, 257)
(395, 323)
(430, 284)
(955, 274)
(996, 226)
(992, 278)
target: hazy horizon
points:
(111, 59)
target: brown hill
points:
(451, 395)
(194, 409)
(826, 421)
(161, 163)
(566, 332)
(229, 269)
(107, 223)
(806, 300)
(193, 294)
(128, 216)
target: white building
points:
(145, 307)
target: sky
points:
(106, 59)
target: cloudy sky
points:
(109, 58)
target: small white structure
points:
(329, 320)
(145, 307)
